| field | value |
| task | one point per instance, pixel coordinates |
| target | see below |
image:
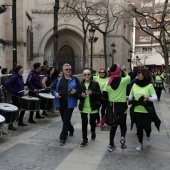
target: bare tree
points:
(106, 15)
(81, 9)
(151, 16)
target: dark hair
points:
(146, 74)
(49, 70)
(4, 70)
(36, 65)
(45, 62)
(17, 68)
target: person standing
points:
(47, 83)
(115, 92)
(159, 78)
(34, 84)
(16, 86)
(89, 93)
(44, 68)
(64, 91)
(6, 95)
(142, 111)
(102, 79)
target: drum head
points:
(46, 95)
(8, 107)
(29, 98)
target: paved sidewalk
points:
(37, 147)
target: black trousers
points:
(17, 102)
(84, 117)
(143, 122)
(66, 114)
(123, 129)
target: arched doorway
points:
(66, 55)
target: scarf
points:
(114, 74)
(142, 83)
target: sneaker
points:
(102, 123)
(62, 142)
(139, 147)
(122, 141)
(149, 141)
(84, 143)
(93, 135)
(110, 148)
(97, 122)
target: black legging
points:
(158, 91)
(123, 129)
(143, 122)
(103, 109)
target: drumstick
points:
(21, 91)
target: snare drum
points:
(9, 111)
(46, 100)
(30, 103)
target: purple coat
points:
(15, 84)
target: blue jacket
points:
(72, 100)
(15, 84)
(34, 81)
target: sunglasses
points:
(139, 72)
(101, 72)
(68, 69)
(87, 74)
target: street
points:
(37, 147)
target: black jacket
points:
(94, 97)
(149, 107)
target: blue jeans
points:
(66, 114)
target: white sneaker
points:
(149, 141)
(139, 147)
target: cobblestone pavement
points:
(37, 147)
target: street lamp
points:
(113, 51)
(130, 58)
(3, 8)
(92, 40)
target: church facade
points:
(35, 38)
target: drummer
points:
(47, 83)
(34, 84)
(16, 86)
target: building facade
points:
(146, 49)
(35, 38)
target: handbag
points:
(111, 116)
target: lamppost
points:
(92, 40)
(14, 33)
(113, 51)
(55, 28)
(130, 58)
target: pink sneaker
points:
(97, 122)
